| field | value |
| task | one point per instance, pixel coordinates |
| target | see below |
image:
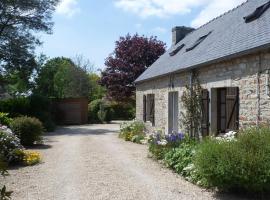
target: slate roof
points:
(230, 37)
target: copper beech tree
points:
(131, 57)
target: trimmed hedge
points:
(34, 106)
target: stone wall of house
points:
(249, 73)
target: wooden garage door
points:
(71, 112)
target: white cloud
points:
(160, 29)
(68, 8)
(138, 26)
(214, 9)
(167, 8)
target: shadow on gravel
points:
(73, 131)
(240, 196)
(40, 146)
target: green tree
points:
(45, 77)
(96, 90)
(19, 20)
(61, 78)
(71, 81)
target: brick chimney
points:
(179, 32)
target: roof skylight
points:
(199, 41)
(175, 51)
(257, 13)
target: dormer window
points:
(199, 41)
(257, 13)
(175, 51)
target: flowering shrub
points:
(31, 157)
(9, 143)
(160, 143)
(238, 164)
(132, 131)
(157, 145)
(174, 139)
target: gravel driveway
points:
(90, 162)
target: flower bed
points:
(228, 163)
(133, 131)
(11, 150)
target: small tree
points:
(131, 57)
(191, 117)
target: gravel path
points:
(90, 162)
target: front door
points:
(173, 112)
(227, 109)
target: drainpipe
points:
(267, 83)
(258, 91)
(191, 77)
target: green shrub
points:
(181, 157)
(28, 129)
(99, 111)
(123, 111)
(129, 130)
(93, 109)
(41, 108)
(34, 106)
(5, 119)
(157, 151)
(137, 139)
(243, 164)
(15, 107)
(9, 143)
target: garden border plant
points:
(133, 131)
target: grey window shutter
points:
(144, 108)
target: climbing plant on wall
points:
(192, 109)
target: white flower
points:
(162, 142)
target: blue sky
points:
(91, 27)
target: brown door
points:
(228, 109)
(221, 110)
(205, 113)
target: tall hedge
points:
(34, 106)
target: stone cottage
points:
(231, 57)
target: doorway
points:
(173, 112)
(227, 109)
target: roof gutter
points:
(232, 56)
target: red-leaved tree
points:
(131, 57)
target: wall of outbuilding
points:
(249, 73)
